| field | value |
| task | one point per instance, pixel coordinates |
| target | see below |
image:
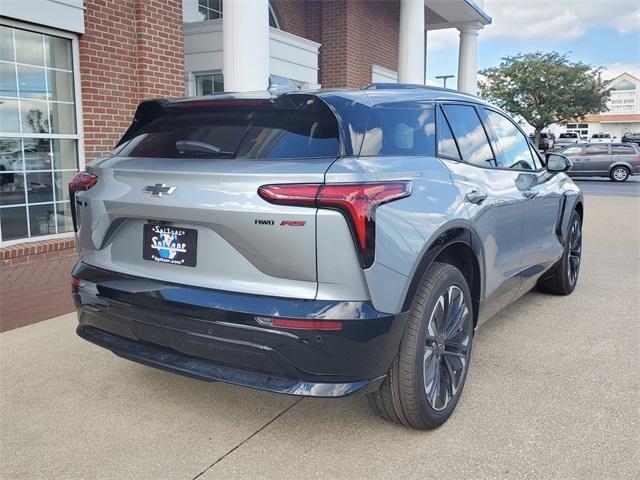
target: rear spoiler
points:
(146, 112)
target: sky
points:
(597, 32)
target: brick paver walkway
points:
(35, 291)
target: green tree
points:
(544, 88)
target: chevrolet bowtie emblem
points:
(159, 189)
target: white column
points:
(411, 42)
(245, 45)
(468, 58)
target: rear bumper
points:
(216, 336)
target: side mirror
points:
(557, 162)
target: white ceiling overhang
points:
(451, 13)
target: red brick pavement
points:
(34, 291)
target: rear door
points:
(189, 181)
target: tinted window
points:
(597, 150)
(470, 135)
(622, 150)
(513, 145)
(446, 143)
(573, 151)
(234, 132)
(400, 131)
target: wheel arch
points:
(455, 247)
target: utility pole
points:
(444, 79)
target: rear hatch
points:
(177, 201)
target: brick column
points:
(132, 50)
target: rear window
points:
(400, 131)
(239, 132)
(568, 135)
(622, 150)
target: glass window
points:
(622, 150)
(446, 144)
(513, 145)
(400, 131)
(572, 151)
(37, 101)
(57, 52)
(470, 135)
(210, 83)
(13, 223)
(8, 85)
(29, 47)
(42, 219)
(210, 9)
(597, 149)
(6, 44)
(238, 132)
(9, 117)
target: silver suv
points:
(321, 243)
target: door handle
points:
(475, 197)
(530, 194)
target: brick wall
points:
(132, 50)
(355, 35)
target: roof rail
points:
(411, 86)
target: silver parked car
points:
(567, 138)
(320, 243)
(618, 161)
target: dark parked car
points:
(618, 161)
(631, 138)
(320, 243)
(547, 141)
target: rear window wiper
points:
(192, 146)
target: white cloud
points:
(614, 69)
(441, 39)
(559, 19)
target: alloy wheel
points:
(575, 251)
(447, 348)
(620, 174)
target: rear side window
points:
(469, 134)
(597, 150)
(237, 132)
(400, 131)
(446, 143)
(622, 150)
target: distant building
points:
(622, 116)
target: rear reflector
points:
(296, 324)
(357, 202)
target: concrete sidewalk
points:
(553, 392)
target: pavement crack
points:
(219, 459)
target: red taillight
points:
(299, 324)
(357, 201)
(75, 282)
(82, 181)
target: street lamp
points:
(444, 79)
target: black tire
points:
(441, 349)
(563, 277)
(619, 173)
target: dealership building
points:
(72, 73)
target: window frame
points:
(79, 123)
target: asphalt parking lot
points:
(553, 392)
